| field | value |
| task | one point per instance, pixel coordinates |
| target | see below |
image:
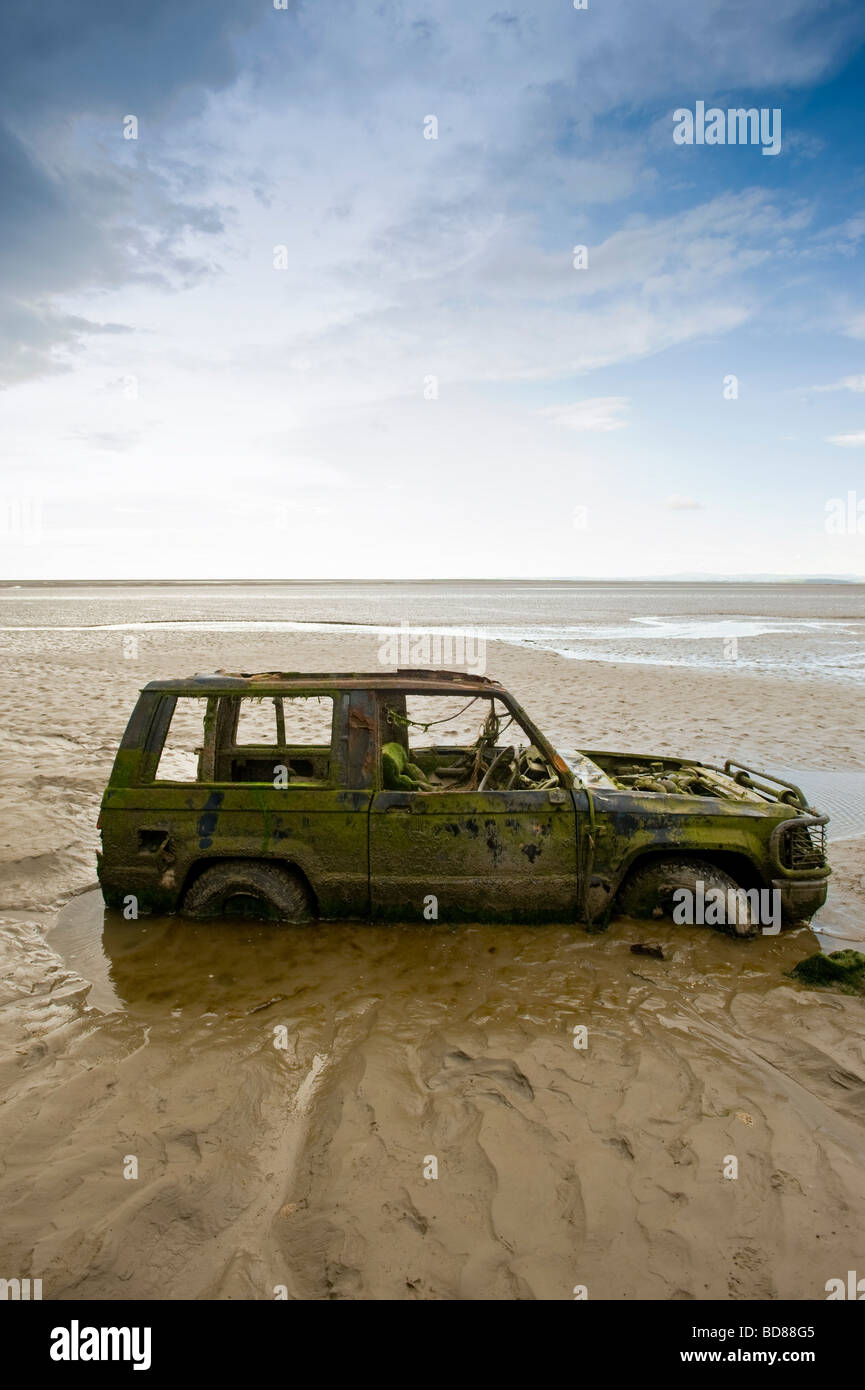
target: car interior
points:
(500, 756)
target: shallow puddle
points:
(234, 968)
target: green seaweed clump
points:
(399, 773)
(843, 970)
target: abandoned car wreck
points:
(295, 796)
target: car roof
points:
(276, 682)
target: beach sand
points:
(263, 1167)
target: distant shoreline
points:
(768, 581)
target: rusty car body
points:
(371, 818)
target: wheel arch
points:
(198, 867)
(737, 864)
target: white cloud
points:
(598, 415)
(683, 504)
(805, 145)
(847, 383)
(848, 441)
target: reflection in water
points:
(237, 968)
(234, 968)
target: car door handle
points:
(557, 795)
(397, 807)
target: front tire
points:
(649, 892)
(248, 888)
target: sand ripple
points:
(303, 1165)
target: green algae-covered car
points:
(430, 795)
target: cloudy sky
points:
(285, 333)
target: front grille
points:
(804, 847)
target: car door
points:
(299, 800)
(508, 855)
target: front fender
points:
(627, 827)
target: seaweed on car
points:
(294, 796)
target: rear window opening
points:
(272, 738)
(184, 741)
(280, 739)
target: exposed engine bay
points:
(677, 776)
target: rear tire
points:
(249, 888)
(648, 892)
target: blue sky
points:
(424, 384)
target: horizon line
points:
(459, 579)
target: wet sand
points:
(303, 1166)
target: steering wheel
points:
(521, 775)
(519, 769)
(502, 754)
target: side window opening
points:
(308, 720)
(184, 742)
(256, 722)
(280, 739)
(436, 743)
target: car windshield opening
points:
(437, 743)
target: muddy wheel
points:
(648, 891)
(241, 888)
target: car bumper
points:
(800, 898)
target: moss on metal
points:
(548, 842)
